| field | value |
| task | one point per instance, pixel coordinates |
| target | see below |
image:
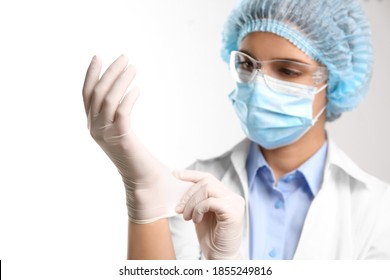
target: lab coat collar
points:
(238, 157)
(336, 158)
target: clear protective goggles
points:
(244, 69)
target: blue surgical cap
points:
(335, 33)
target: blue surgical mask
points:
(275, 117)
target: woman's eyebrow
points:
(276, 58)
(248, 53)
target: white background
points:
(60, 196)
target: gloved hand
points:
(217, 212)
(152, 192)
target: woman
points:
(285, 192)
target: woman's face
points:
(264, 46)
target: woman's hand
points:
(151, 190)
(217, 212)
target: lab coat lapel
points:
(327, 230)
(236, 177)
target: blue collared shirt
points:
(277, 212)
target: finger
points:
(209, 205)
(104, 85)
(191, 175)
(122, 115)
(187, 196)
(222, 208)
(91, 79)
(200, 192)
(116, 93)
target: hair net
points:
(335, 33)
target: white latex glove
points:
(217, 212)
(152, 192)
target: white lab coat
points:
(348, 219)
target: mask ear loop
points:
(315, 120)
(321, 88)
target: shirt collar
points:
(312, 169)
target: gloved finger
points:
(188, 194)
(122, 115)
(221, 207)
(204, 207)
(189, 201)
(91, 79)
(113, 98)
(201, 191)
(191, 175)
(106, 82)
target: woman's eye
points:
(246, 65)
(289, 72)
